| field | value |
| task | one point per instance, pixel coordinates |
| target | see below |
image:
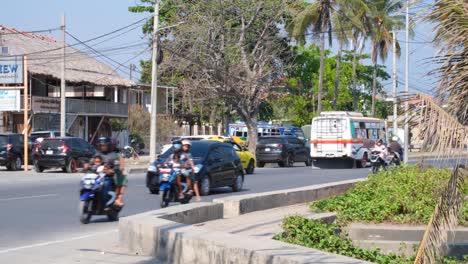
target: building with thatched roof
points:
(95, 92)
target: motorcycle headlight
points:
(164, 177)
(87, 183)
(152, 168)
(198, 168)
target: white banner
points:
(11, 70)
(10, 100)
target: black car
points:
(67, 153)
(284, 150)
(217, 165)
(11, 150)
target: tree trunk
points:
(337, 76)
(322, 62)
(252, 132)
(374, 89)
(355, 108)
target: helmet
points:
(186, 142)
(395, 138)
(104, 140)
(177, 144)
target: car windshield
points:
(3, 140)
(270, 141)
(198, 150)
(51, 143)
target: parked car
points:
(11, 150)
(67, 153)
(217, 164)
(284, 150)
(248, 158)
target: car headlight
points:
(198, 168)
(152, 168)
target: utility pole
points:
(406, 146)
(154, 84)
(395, 84)
(63, 109)
(131, 71)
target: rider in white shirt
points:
(381, 148)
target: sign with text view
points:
(10, 100)
(11, 70)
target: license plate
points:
(267, 149)
(49, 152)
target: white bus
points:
(346, 135)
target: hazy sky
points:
(87, 19)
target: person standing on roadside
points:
(186, 144)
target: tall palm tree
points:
(340, 27)
(315, 16)
(384, 19)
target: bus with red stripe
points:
(344, 135)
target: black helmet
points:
(104, 140)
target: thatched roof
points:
(45, 57)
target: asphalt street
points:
(37, 209)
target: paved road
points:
(42, 208)
(39, 208)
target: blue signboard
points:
(11, 70)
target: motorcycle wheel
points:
(85, 214)
(165, 198)
(113, 215)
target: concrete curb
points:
(136, 170)
(242, 204)
(173, 235)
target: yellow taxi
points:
(247, 158)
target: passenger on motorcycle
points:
(396, 147)
(382, 149)
(186, 144)
(110, 157)
(179, 160)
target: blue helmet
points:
(177, 144)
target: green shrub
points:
(406, 195)
(326, 237)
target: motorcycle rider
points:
(396, 147)
(116, 165)
(382, 149)
(186, 145)
(179, 159)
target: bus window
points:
(238, 134)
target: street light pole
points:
(395, 103)
(154, 84)
(406, 145)
(63, 108)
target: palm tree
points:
(317, 16)
(383, 19)
(340, 26)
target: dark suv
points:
(11, 151)
(217, 165)
(284, 150)
(67, 153)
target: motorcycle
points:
(168, 186)
(377, 162)
(96, 194)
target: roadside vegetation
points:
(404, 195)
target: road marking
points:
(29, 197)
(55, 242)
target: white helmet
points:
(395, 138)
(186, 142)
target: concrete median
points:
(178, 235)
(242, 204)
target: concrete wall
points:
(242, 204)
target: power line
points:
(86, 41)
